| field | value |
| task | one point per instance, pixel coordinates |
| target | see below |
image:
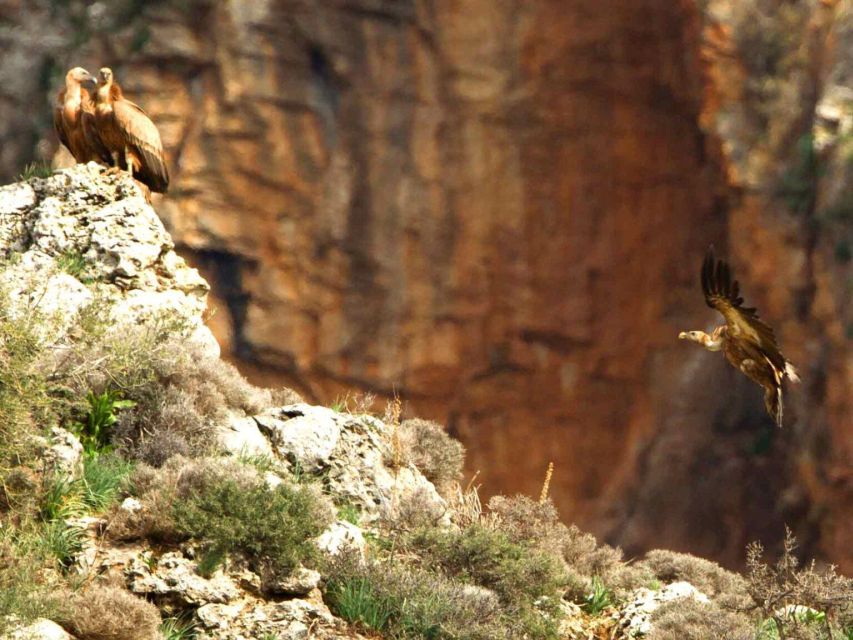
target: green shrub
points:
(178, 628)
(527, 581)
(25, 591)
(61, 541)
(273, 527)
(537, 525)
(599, 599)
(105, 477)
(35, 170)
(95, 433)
(404, 601)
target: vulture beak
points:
(91, 78)
(682, 335)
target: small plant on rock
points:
(96, 431)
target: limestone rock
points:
(39, 630)
(62, 453)
(286, 620)
(351, 452)
(86, 236)
(635, 617)
(299, 583)
(340, 536)
(239, 435)
(175, 579)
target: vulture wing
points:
(723, 294)
(140, 133)
(57, 120)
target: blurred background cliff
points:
(497, 211)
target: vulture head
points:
(105, 76)
(78, 75)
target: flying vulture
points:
(74, 119)
(747, 343)
(128, 133)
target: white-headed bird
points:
(747, 342)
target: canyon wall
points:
(497, 211)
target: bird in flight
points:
(746, 342)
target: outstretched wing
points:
(723, 294)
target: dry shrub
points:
(779, 591)
(405, 601)
(436, 455)
(537, 524)
(181, 402)
(412, 510)
(725, 587)
(689, 619)
(108, 612)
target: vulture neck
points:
(714, 342)
(107, 93)
(72, 100)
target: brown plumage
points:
(747, 342)
(129, 134)
(74, 119)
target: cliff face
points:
(497, 211)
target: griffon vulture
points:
(74, 119)
(747, 343)
(128, 133)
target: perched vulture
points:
(128, 133)
(747, 343)
(74, 119)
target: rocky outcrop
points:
(487, 207)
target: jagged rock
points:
(350, 452)
(131, 505)
(61, 452)
(41, 629)
(287, 620)
(635, 617)
(299, 583)
(175, 579)
(85, 234)
(242, 436)
(340, 536)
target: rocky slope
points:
(179, 501)
(487, 207)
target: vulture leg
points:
(128, 160)
(115, 156)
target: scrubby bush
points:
(273, 527)
(519, 574)
(725, 587)
(689, 619)
(403, 601)
(227, 508)
(537, 524)
(26, 591)
(109, 612)
(436, 455)
(784, 593)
